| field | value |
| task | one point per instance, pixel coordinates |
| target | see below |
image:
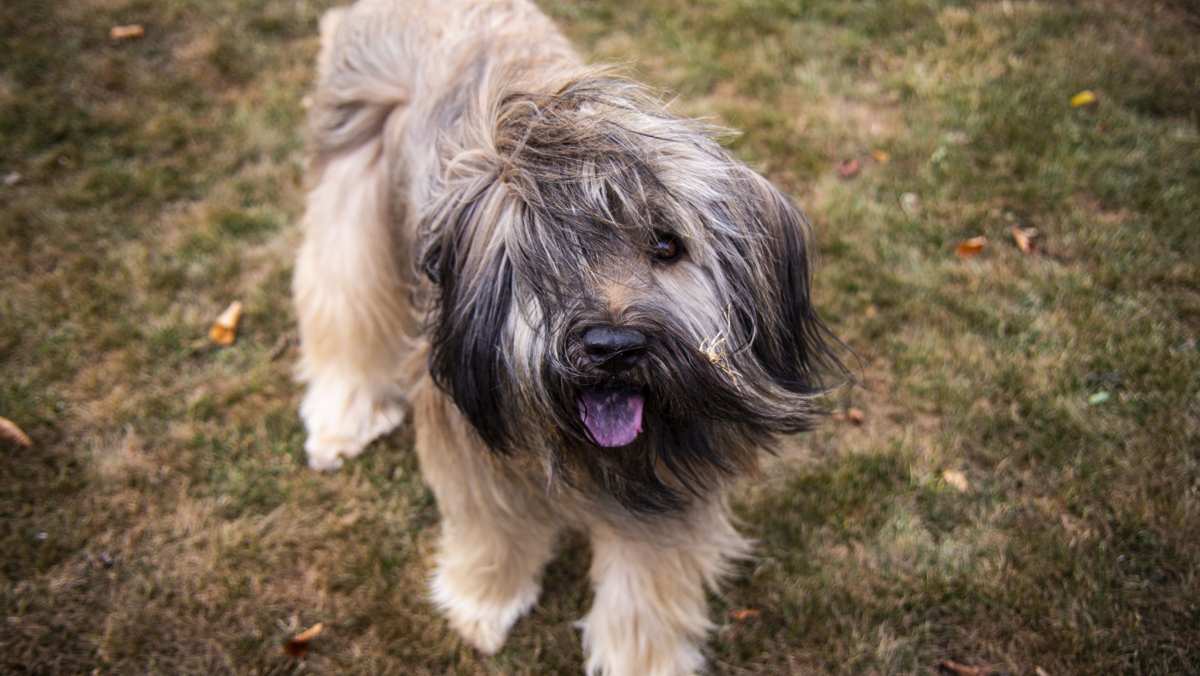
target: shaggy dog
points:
(597, 316)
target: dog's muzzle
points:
(613, 414)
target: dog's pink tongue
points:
(613, 417)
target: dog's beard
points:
(652, 436)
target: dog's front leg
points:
(497, 530)
(650, 616)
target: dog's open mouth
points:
(612, 415)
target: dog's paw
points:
(326, 455)
(484, 625)
(332, 440)
(617, 641)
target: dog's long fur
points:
(479, 199)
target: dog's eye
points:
(667, 247)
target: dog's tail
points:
(360, 81)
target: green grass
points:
(164, 521)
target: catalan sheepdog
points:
(596, 317)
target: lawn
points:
(1013, 483)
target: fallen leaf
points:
(12, 178)
(849, 168)
(14, 434)
(959, 669)
(1040, 671)
(855, 416)
(298, 645)
(969, 248)
(224, 330)
(133, 30)
(1099, 398)
(744, 614)
(910, 203)
(881, 156)
(1086, 97)
(957, 479)
(1025, 238)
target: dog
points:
(597, 318)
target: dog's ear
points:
(790, 341)
(463, 252)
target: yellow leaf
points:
(881, 156)
(1086, 97)
(969, 248)
(224, 330)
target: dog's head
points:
(618, 293)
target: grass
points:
(164, 521)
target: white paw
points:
(325, 454)
(340, 428)
(619, 643)
(484, 625)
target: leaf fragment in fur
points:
(224, 329)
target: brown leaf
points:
(224, 330)
(744, 614)
(969, 248)
(957, 479)
(959, 669)
(9, 431)
(881, 156)
(133, 30)
(298, 645)
(1025, 238)
(849, 168)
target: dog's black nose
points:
(614, 348)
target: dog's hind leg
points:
(650, 615)
(352, 310)
(497, 530)
(352, 301)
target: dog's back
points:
(382, 57)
